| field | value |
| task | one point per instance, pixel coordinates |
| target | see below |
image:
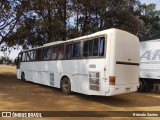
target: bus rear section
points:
(124, 63)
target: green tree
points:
(11, 13)
(36, 22)
(93, 15)
(151, 18)
(46, 21)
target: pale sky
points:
(157, 2)
(14, 53)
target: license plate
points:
(127, 89)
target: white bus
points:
(105, 63)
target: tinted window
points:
(90, 47)
(28, 56)
(95, 47)
(23, 56)
(101, 46)
(68, 50)
(32, 55)
(85, 48)
(54, 53)
(38, 54)
(46, 54)
(76, 49)
(61, 52)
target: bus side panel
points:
(50, 73)
(97, 84)
(77, 72)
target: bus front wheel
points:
(66, 85)
(23, 76)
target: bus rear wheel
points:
(23, 76)
(66, 85)
(143, 87)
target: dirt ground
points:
(16, 95)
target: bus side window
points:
(101, 46)
(28, 58)
(76, 49)
(90, 47)
(38, 54)
(23, 56)
(95, 47)
(68, 51)
(61, 52)
(32, 55)
(46, 54)
(85, 49)
(54, 53)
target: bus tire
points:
(66, 85)
(23, 76)
(151, 87)
(143, 87)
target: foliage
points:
(4, 60)
(35, 22)
(151, 18)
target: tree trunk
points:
(85, 23)
(77, 24)
(64, 19)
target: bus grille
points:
(94, 82)
(52, 79)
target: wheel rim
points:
(65, 85)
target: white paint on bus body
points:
(121, 61)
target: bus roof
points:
(108, 31)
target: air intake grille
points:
(52, 79)
(94, 82)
